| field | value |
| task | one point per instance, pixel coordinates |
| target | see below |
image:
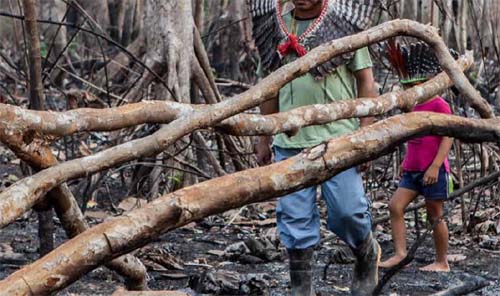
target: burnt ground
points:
(197, 250)
(238, 253)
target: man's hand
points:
(263, 151)
(431, 175)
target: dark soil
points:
(198, 248)
(191, 243)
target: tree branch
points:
(212, 114)
(123, 234)
(86, 119)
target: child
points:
(425, 167)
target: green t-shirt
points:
(305, 90)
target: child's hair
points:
(415, 62)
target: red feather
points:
(396, 58)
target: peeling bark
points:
(79, 120)
(28, 191)
(149, 145)
(123, 234)
(13, 205)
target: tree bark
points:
(87, 120)
(20, 198)
(462, 25)
(123, 234)
(37, 102)
(40, 157)
(148, 145)
(169, 42)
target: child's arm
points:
(431, 174)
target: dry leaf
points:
(485, 226)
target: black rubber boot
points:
(365, 277)
(301, 271)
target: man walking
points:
(282, 37)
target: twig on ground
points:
(476, 283)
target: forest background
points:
(107, 54)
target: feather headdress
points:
(338, 18)
(415, 62)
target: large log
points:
(20, 197)
(87, 119)
(39, 156)
(123, 234)
(245, 125)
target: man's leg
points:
(349, 217)
(298, 225)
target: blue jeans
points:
(348, 210)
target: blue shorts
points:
(437, 191)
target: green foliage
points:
(176, 178)
(43, 49)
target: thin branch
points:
(123, 234)
(20, 197)
(407, 259)
(80, 120)
(109, 40)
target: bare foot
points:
(392, 261)
(437, 266)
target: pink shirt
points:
(421, 151)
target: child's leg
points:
(400, 200)
(434, 212)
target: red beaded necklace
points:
(293, 42)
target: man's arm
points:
(262, 148)
(366, 89)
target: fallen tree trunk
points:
(11, 208)
(70, 215)
(123, 234)
(20, 197)
(86, 119)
